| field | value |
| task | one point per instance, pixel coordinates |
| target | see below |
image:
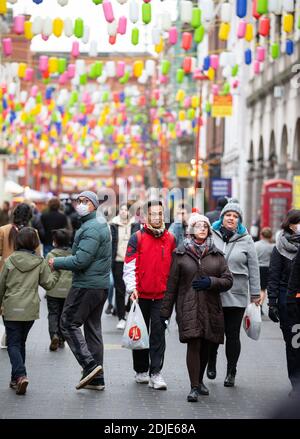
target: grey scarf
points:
(198, 249)
(286, 245)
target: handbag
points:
(135, 334)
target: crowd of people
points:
(207, 267)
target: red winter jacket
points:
(147, 263)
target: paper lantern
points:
(160, 46)
(133, 11)
(207, 7)
(248, 56)
(173, 35)
(43, 63)
(289, 47)
(122, 25)
(29, 75)
(165, 67)
(86, 34)
(22, 70)
(110, 68)
(288, 23)
(122, 2)
(62, 2)
(255, 14)
(28, 30)
(37, 2)
(93, 51)
(75, 49)
(215, 89)
(214, 61)
(235, 70)
(58, 26)
(150, 67)
(83, 79)
(112, 28)
(241, 30)
(288, 5)
(262, 6)
(47, 27)
(187, 40)
(68, 27)
(156, 35)
(120, 69)
(166, 22)
(180, 76)
(37, 25)
(275, 6)
(298, 24)
(135, 34)
(249, 32)
(112, 39)
(187, 65)
(78, 28)
(260, 53)
(108, 11)
(146, 13)
(241, 8)
(98, 2)
(256, 67)
(199, 34)
(186, 11)
(71, 71)
(196, 18)
(18, 26)
(264, 26)
(7, 46)
(3, 7)
(226, 12)
(53, 65)
(62, 65)
(210, 74)
(138, 67)
(224, 31)
(275, 50)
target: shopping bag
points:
(252, 321)
(136, 334)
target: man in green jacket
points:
(90, 263)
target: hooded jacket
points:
(64, 282)
(20, 278)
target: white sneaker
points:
(121, 324)
(3, 344)
(157, 382)
(142, 378)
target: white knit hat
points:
(196, 218)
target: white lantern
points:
(12, 88)
(47, 27)
(37, 25)
(288, 5)
(194, 64)
(86, 34)
(150, 67)
(226, 14)
(14, 68)
(112, 28)
(75, 81)
(143, 78)
(207, 8)
(93, 52)
(133, 11)
(96, 97)
(226, 72)
(186, 11)
(68, 27)
(166, 21)
(80, 67)
(223, 60)
(102, 79)
(275, 6)
(231, 61)
(23, 96)
(156, 35)
(13, 2)
(122, 2)
(62, 2)
(110, 68)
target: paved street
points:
(261, 381)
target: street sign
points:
(220, 187)
(222, 106)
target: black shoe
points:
(96, 384)
(211, 371)
(61, 343)
(202, 389)
(88, 375)
(109, 309)
(54, 343)
(193, 395)
(230, 378)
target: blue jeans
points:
(16, 335)
(111, 289)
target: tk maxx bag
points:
(136, 334)
(252, 321)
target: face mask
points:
(82, 209)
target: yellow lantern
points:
(211, 74)
(249, 32)
(28, 30)
(58, 26)
(160, 46)
(22, 70)
(181, 115)
(53, 65)
(288, 23)
(138, 67)
(180, 95)
(224, 31)
(195, 101)
(3, 7)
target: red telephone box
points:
(276, 201)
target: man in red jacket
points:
(146, 270)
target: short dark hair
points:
(152, 203)
(61, 237)
(54, 203)
(266, 232)
(27, 239)
(292, 217)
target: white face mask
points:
(82, 209)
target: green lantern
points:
(98, 2)
(39, 98)
(196, 18)
(226, 88)
(98, 68)
(78, 28)
(62, 65)
(135, 35)
(191, 114)
(275, 50)
(105, 96)
(180, 76)
(165, 67)
(146, 13)
(235, 70)
(262, 6)
(208, 107)
(83, 79)
(199, 34)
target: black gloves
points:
(202, 283)
(274, 313)
(164, 322)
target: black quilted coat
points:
(198, 314)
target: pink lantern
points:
(108, 11)
(173, 35)
(214, 61)
(43, 63)
(120, 69)
(256, 66)
(45, 37)
(29, 74)
(260, 53)
(241, 31)
(71, 71)
(122, 25)
(163, 79)
(18, 26)
(215, 89)
(75, 49)
(7, 46)
(63, 79)
(235, 83)
(34, 91)
(187, 102)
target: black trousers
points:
(233, 317)
(117, 269)
(55, 308)
(84, 306)
(196, 359)
(292, 339)
(151, 313)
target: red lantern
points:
(254, 10)
(112, 39)
(45, 74)
(142, 101)
(187, 64)
(264, 26)
(116, 97)
(187, 39)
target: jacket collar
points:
(88, 217)
(235, 237)
(181, 250)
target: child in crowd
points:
(22, 273)
(56, 296)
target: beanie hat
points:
(232, 207)
(196, 218)
(91, 196)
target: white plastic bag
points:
(252, 321)
(136, 334)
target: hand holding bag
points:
(252, 321)
(136, 334)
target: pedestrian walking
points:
(122, 227)
(22, 273)
(52, 219)
(146, 271)
(199, 273)
(231, 237)
(90, 263)
(179, 227)
(284, 252)
(264, 248)
(56, 296)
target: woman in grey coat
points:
(231, 237)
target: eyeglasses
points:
(83, 201)
(200, 226)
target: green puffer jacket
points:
(91, 255)
(22, 273)
(64, 283)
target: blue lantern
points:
(37, 2)
(289, 47)
(206, 63)
(241, 8)
(248, 56)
